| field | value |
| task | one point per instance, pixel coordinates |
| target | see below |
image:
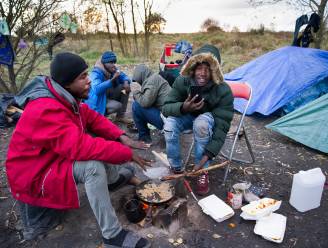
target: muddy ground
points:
(277, 158)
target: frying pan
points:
(151, 191)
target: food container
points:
(216, 208)
(258, 209)
(271, 227)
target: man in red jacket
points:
(52, 150)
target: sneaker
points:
(177, 170)
(124, 120)
(203, 184)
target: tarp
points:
(6, 51)
(279, 76)
(307, 125)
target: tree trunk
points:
(147, 9)
(3, 86)
(135, 37)
(119, 37)
(126, 41)
(108, 30)
(321, 31)
(12, 79)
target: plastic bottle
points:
(307, 189)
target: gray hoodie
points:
(154, 88)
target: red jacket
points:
(48, 139)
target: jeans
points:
(142, 116)
(202, 127)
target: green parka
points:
(217, 97)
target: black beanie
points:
(65, 67)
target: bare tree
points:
(152, 22)
(317, 6)
(135, 37)
(114, 10)
(28, 20)
(122, 10)
(108, 29)
(147, 8)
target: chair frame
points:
(237, 135)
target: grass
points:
(236, 48)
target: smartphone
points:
(196, 90)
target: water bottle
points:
(307, 189)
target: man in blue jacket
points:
(110, 88)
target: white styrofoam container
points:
(255, 210)
(271, 227)
(216, 208)
(307, 189)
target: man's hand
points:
(116, 75)
(126, 87)
(189, 105)
(132, 143)
(143, 163)
(202, 162)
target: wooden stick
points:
(196, 173)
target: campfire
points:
(157, 208)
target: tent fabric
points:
(307, 96)
(306, 125)
(279, 76)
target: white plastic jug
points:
(307, 189)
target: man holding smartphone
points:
(199, 100)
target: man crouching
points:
(51, 151)
(199, 100)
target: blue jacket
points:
(99, 86)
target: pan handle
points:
(187, 184)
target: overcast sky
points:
(185, 16)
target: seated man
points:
(110, 88)
(51, 151)
(148, 100)
(209, 117)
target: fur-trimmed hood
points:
(209, 54)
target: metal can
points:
(237, 200)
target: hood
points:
(141, 73)
(100, 65)
(209, 54)
(38, 88)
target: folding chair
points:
(244, 91)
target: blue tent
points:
(282, 76)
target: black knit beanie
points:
(65, 67)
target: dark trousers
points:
(142, 116)
(117, 101)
